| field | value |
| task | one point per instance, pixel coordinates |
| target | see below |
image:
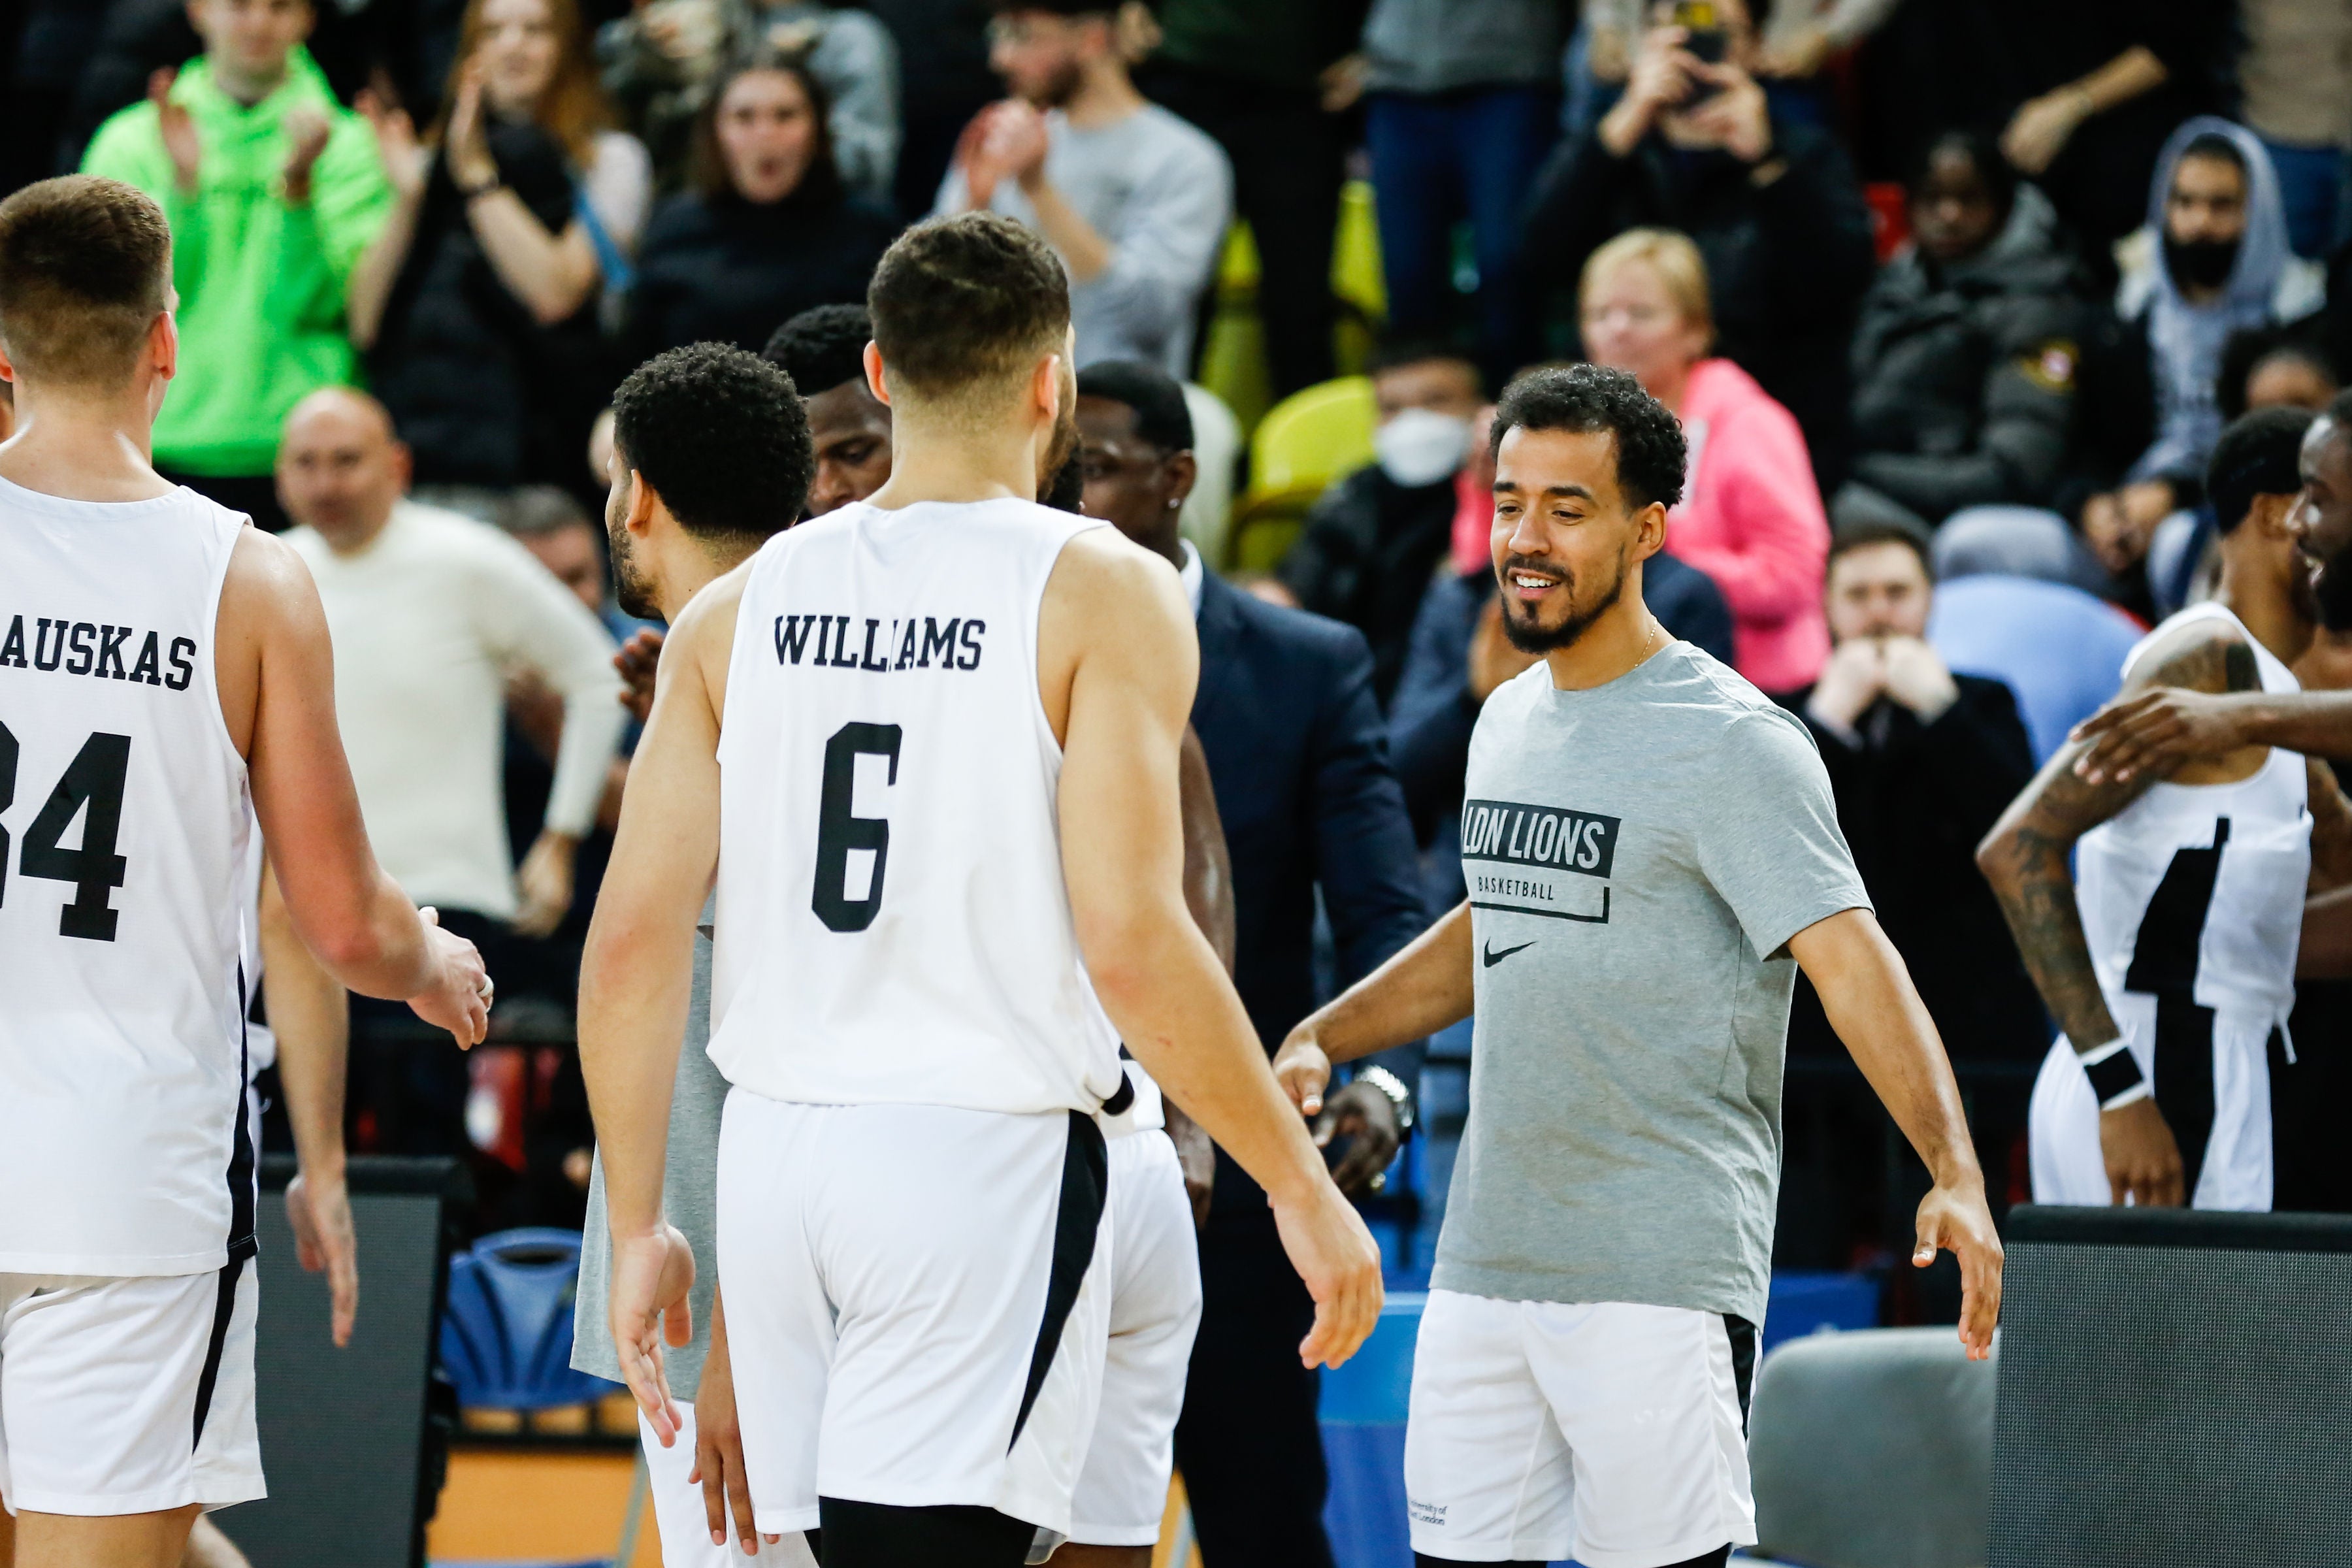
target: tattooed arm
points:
(2025, 860)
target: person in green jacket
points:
(275, 193)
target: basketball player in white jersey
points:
(950, 721)
(2170, 966)
(164, 680)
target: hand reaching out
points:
(651, 1274)
(1954, 1218)
(459, 997)
(320, 1211)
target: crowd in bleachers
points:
(1940, 293)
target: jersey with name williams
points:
(892, 921)
(124, 838)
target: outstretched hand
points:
(1303, 1071)
(1954, 1218)
(651, 1274)
(458, 996)
(1335, 1255)
(318, 1209)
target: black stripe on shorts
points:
(1743, 1362)
(1085, 1188)
(224, 1308)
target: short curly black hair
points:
(960, 301)
(1586, 398)
(823, 347)
(720, 435)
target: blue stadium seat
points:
(1362, 1413)
(506, 1332)
(1803, 1304)
(2060, 650)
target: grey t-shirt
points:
(1637, 856)
(689, 1199)
(1161, 194)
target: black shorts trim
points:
(224, 1308)
(1085, 1188)
(1742, 1334)
(242, 1241)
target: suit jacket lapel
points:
(1219, 629)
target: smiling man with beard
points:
(1649, 842)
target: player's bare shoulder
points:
(1104, 584)
(269, 615)
(2208, 654)
(1112, 599)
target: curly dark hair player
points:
(1648, 840)
(953, 724)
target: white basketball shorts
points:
(1155, 1306)
(2235, 1169)
(128, 1395)
(918, 1303)
(1612, 1432)
(683, 1519)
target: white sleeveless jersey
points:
(125, 829)
(892, 921)
(2197, 890)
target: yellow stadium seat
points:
(1304, 443)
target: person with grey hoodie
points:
(2212, 261)
(1965, 357)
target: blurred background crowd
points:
(1953, 297)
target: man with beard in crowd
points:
(1134, 200)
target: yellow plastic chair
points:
(1232, 354)
(1303, 443)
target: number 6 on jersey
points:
(838, 831)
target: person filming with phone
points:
(1773, 205)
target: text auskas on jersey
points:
(99, 650)
(860, 642)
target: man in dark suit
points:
(1299, 760)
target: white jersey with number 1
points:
(124, 830)
(893, 924)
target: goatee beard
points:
(1536, 640)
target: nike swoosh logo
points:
(1493, 958)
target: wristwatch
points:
(1394, 1086)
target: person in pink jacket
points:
(1752, 515)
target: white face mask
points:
(1419, 446)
